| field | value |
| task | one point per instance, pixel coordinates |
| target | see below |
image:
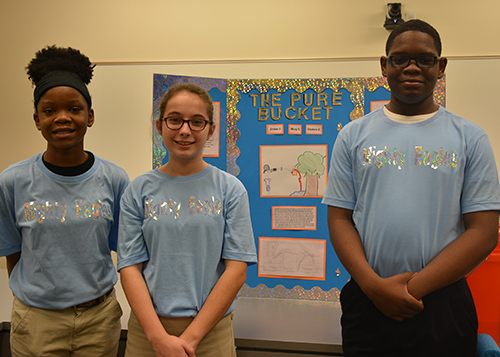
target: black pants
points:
(446, 327)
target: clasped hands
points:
(391, 296)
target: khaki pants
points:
(219, 342)
(75, 332)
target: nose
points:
(185, 129)
(412, 65)
(63, 115)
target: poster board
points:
(276, 136)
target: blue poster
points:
(276, 136)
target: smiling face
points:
(185, 147)
(62, 115)
(412, 87)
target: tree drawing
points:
(312, 166)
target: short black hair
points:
(414, 25)
(60, 59)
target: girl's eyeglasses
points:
(194, 124)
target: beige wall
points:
(227, 39)
(210, 30)
(206, 31)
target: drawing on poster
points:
(292, 258)
(293, 170)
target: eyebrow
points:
(72, 102)
(194, 116)
(405, 54)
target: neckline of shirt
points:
(408, 119)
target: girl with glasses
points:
(185, 240)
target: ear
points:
(90, 121)
(37, 121)
(442, 66)
(158, 123)
(211, 131)
(383, 65)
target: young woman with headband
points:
(58, 222)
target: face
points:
(62, 115)
(185, 145)
(412, 87)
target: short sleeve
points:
(340, 191)
(481, 188)
(131, 245)
(239, 242)
(10, 233)
(119, 186)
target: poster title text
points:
(302, 106)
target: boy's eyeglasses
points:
(194, 124)
(420, 61)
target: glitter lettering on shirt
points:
(152, 210)
(383, 157)
(57, 211)
(433, 159)
(43, 211)
(208, 207)
(93, 210)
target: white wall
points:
(227, 39)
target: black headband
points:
(61, 79)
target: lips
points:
(185, 143)
(62, 132)
(411, 83)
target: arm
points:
(139, 299)
(390, 294)
(218, 302)
(12, 261)
(460, 256)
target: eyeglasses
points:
(194, 124)
(421, 61)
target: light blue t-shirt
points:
(409, 184)
(182, 229)
(64, 227)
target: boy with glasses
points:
(413, 200)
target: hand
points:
(185, 336)
(172, 346)
(390, 295)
